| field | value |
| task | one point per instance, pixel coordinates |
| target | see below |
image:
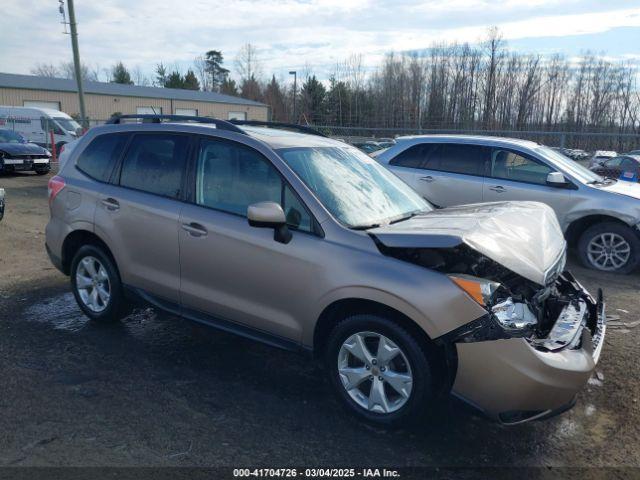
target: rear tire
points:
(389, 386)
(96, 285)
(610, 247)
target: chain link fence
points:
(585, 140)
(41, 131)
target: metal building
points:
(104, 99)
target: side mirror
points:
(270, 215)
(556, 179)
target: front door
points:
(231, 270)
(514, 175)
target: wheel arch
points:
(76, 239)
(444, 356)
(578, 226)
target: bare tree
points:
(48, 70)
(247, 63)
(200, 68)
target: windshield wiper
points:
(385, 222)
(365, 227)
(605, 181)
(406, 217)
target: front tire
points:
(42, 171)
(96, 285)
(610, 247)
(379, 371)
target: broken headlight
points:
(511, 315)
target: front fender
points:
(436, 310)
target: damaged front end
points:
(559, 315)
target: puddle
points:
(61, 312)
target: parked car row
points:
(601, 156)
(371, 146)
(623, 167)
(38, 125)
(306, 243)
(573, 153)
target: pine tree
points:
(217, 73)
(191, 81)
(250, 89)
(120, 74)
(161, 74)
(313, 95)
(229, 87)
(174, 80)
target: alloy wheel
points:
(92, 282)
(608, 251)
(375, 372)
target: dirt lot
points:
(159, 391)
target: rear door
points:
(138, 212)
(515, 175)
(444, 173)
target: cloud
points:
(289, 34)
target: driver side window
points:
(509, 165)
(230, 177)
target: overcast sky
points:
(291, 34)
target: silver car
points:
(600, 217)
(308, 244)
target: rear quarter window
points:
(98, 159)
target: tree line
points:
(447, 86)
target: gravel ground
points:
(156, 390)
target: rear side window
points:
(412, 157)
(155, 163)
(98, 158)
(449, 157)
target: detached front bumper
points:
(517, 379)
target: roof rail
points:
(284, 126)
(220, 124)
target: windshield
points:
(68, 124)
(358, 192)
(579, 172)
(7, 136)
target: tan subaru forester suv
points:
(306, 243)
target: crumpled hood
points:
(22, 149)
(524, 237)
(629, 189)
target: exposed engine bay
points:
(550, 317)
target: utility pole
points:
(76, 61)
(295, 95)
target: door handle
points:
(111, 204)
(428, 179)
(498, 189)
(194, 229)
